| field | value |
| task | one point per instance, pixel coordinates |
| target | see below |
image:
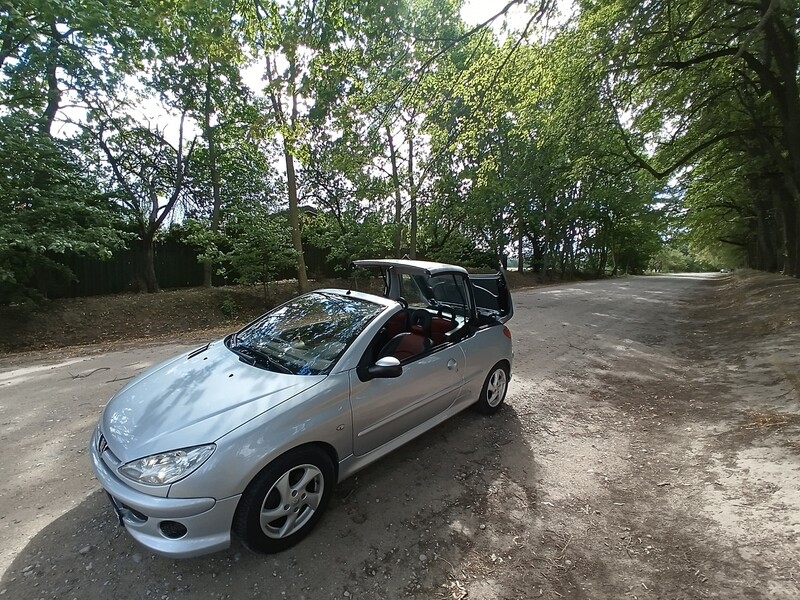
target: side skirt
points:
(353, 463)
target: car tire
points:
(285, 500)
(493, 393)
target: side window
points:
(451, 290)
(411, 292)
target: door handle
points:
(452, 365)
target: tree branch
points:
(767, 77)
(761, 24)
(683, 160)
(181, 166)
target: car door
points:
(492, 295)
(383, 409)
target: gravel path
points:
(648, 449)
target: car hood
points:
(193, 399)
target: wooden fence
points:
(176, 266)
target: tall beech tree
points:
(200, 57)
(689, 76)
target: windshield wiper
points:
(253, 355)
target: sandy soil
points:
(649, 449)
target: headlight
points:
(168, 467)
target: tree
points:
(246, 179)
(148, 176)
(48, 49)
(260, 248)
(314, 58)
(285, 34)
(48, 207)
(693, 76)
(200, 58)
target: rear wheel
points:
(493, 393)
(284, 502)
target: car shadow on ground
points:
(414, 523)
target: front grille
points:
(102, 444)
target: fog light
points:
(172, 529)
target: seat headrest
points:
(421, 322)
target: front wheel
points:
(493, 393)
(284, 502)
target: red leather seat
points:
(421, 322)
(410, 343)
(397, 323)
(405, 345)
(439, 327)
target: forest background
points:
(570, 140)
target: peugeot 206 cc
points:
(249, 434)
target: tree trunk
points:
(147, 263)
(782, 45)
(294, 220)
(213, 167)
(538, 253)
(147, 235)
(398, 198)
(791, 225)
(762, 249)
(615, 260)
(412, 194)
(53, 92)
(602, 261)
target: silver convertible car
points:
(249, 434)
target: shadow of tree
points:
(428, 520)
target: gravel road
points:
(622, 466)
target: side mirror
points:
(386, 367)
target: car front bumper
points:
(172, 527)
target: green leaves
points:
(260, 244)
(709, 93)
(47, 208)
(405, 129)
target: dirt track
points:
(649, 449)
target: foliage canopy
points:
(600, 142)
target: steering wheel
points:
(402, 302)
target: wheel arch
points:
(482, 404)
(258, 489)
(505, 363)
(325, 447)
(329, 450)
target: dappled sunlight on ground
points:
(648, 449)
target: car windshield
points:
(305, 336)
